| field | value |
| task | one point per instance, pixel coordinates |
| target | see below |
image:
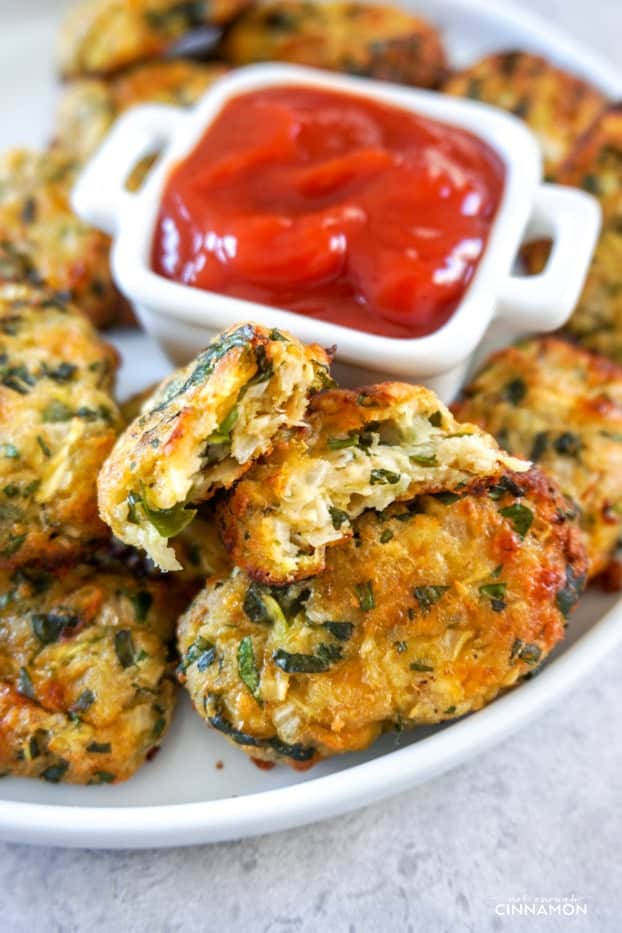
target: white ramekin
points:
(183, 318)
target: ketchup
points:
(334, 206)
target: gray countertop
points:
(540, 816)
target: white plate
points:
(183, 797)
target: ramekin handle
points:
(571, 220)
(100, 191)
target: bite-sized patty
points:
(595, 164)
(202, 429)
(58, 422)
(556, 105)
(89, 107)
(85, 695)
(382, 42)
(42, 241)
(561, 407)
(363, 448)
(431, 609)
(101, 37)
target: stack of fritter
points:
(85, 688)
(389, 566)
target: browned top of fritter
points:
(426, 613)
(84, 691)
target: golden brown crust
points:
(89, 107)
(85, 691)
(558, 106)
(58, 422)
(427, 613)
(363, 448)
(378, 41)
(100, 37)
(561, 407)
(202, 429)
(43, 242)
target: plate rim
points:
(320, 798)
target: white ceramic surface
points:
(182, 796)
(178, 316)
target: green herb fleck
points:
(424, 459)
(262, 607)
(55, 773)
(339, 443)
(525, 652)
(446, 498)
(428, 596)
(304, 663)
(56, 412)
(169, 522)
(24, 684)
(384, 477)
(505, 485)
(201, 652)
(515, 391)
(495, 592)
(142, 602)
(50, 626)
(247, 667)
(422, 667)
(124, 647)
(538, 448)
(102, 777)
(158, 727)
(591, 183)
(99, 748)
(365, 595)
(14, 544)
(342, 631)
(568, 596)
(367, 401)
(86, 699)
(296, 752)
(520, 516)
(567, 444)
(64, 372)
(338, 517)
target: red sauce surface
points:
(334, 206)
